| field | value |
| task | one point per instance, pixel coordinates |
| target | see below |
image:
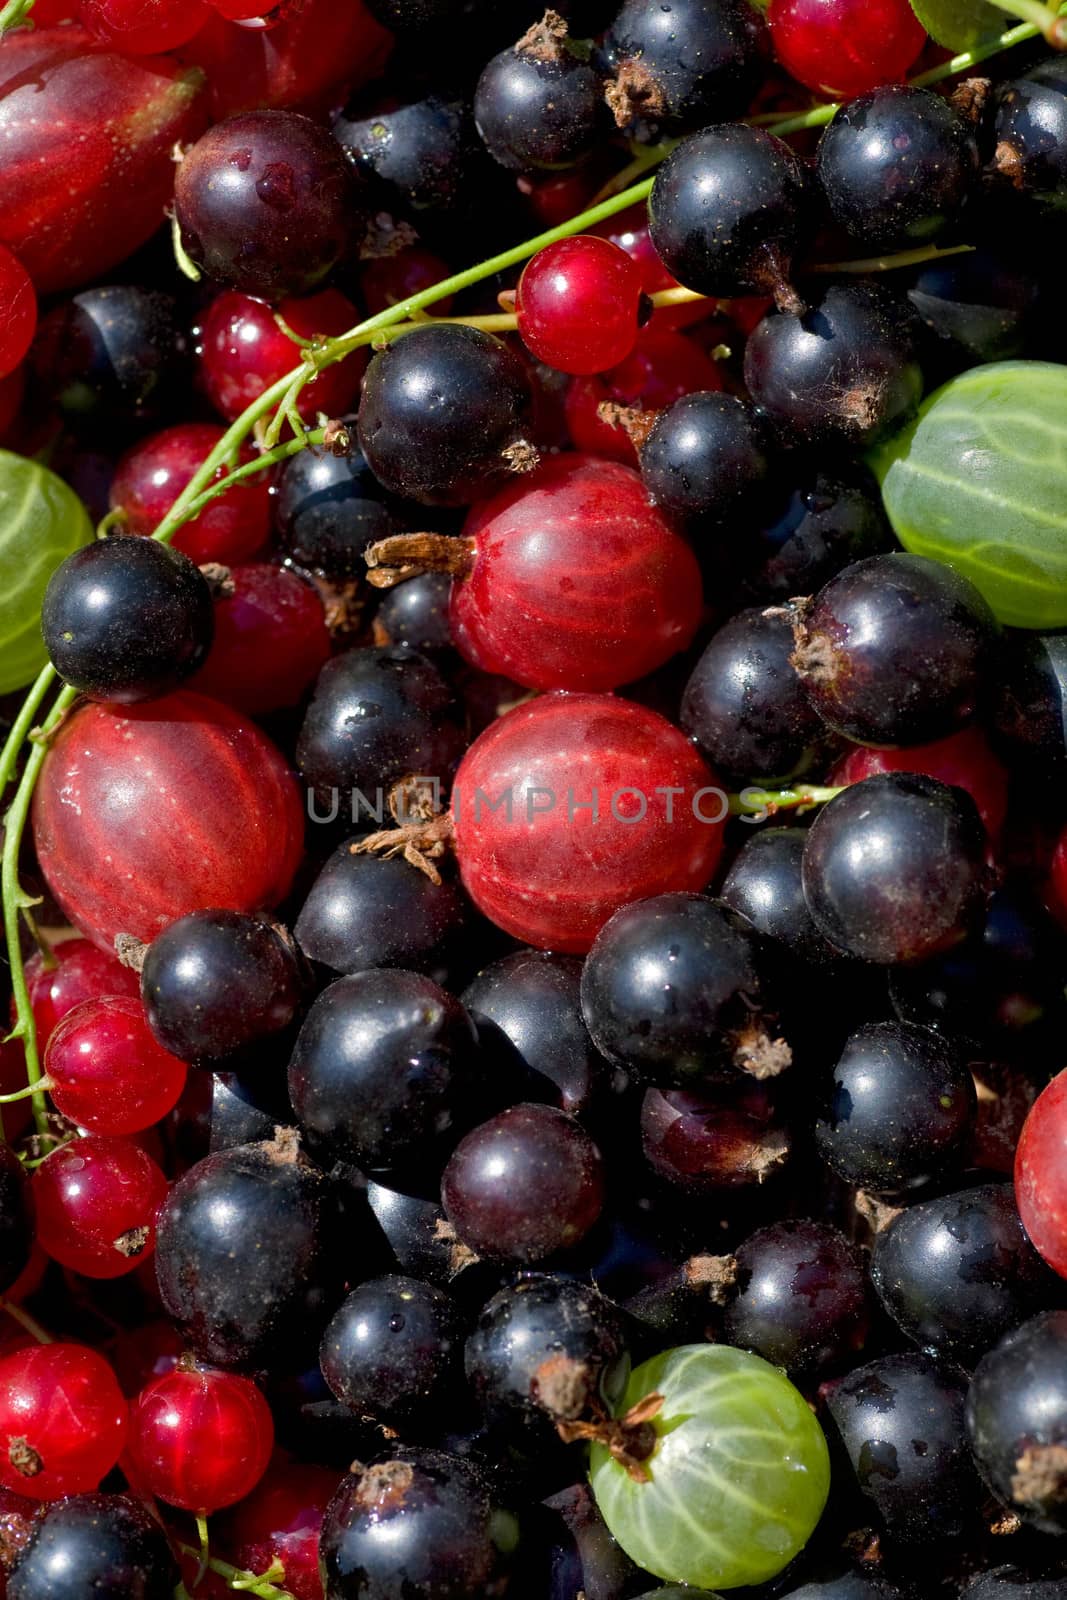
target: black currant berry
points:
(899, 1110)
(415, 614)
(329, 509)
(834, 517)
(1012, 1583)
(800, 1299)
(127, 619)
(726, 1136)
(418, 153)
(386, 1074)
(16, 1217)
(895, 649)
(896, 166)
(728, 210)
(901, 1421)
(851, 1585)
(392, 1349)
(745, 705)
(844, 372)
(215, 982)
(540, 104)
(104, 1545)
(1030, 699)
(674, 989)
(765, 885)
(981, 307)
(242, 1247)
(1031, 133)
(710, 462)
(674, 68)
(368, 911)
(958, 1272)
(1017, 1420)
(894, 868)
(444, 411)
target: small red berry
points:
(108, 1072)
(79, 971)
(144, 27)
(18, 312)
(63, 1420)
(200, 1438)
(97, 1201)
(1041, 1174)
(843, 48)
(964, 760)
(579, 303)
(151, 476)
(271, 640)
(243, 351)
(280, 1521)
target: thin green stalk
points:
(981, 52)
(14, 13)
(903, 258)
(247, 1582)
(24, 1320)
(1042, 18)
(23, 723)
(753, 801)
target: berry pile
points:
(534, 873)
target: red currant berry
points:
(271, 640)
(843, 48)
(143, 27)
(661, 368)
(200, 1438)
(242, 351)
(63, 1420)
(280, 1521)
(145, 813)
(79, 971)
(97, 1202)
(109, 1074)
(576, 580)
(386, 282)
(964, 760)
(578, 304)
(1041, 1174)
(18, 312)
(151, 476)
(545, 869)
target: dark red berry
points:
(271, 640)
(97, 1202)
(151, 476)
(578, 304)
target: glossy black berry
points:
(418, 153)
(901, 1422)
(246, 1107)
(419, 1522)
(981, 306)
(899, 1108)
(728, 211)
(415, 614)
(377, 716)
(833, 517)
(894, 650)
(127, 619)
(386, 1073)
(547, 1347)
(1017, 1420)
(853, 1585)
(104, 1545)
(368, 911)
(800, 1299)
(844, 372)
(896, 166)
(710, 462)
(540, 104)
(216, 982)
(16, 1217)
(1012, 1583)
(1030, 699)
(420, 1235)
(958, 1272)
(894, 868)
(245, 1253)
(676, 67)
(328, 509)
(674, 989)
(745, 705)
(392, 1349)
(445, 410)
(726, 1136)
(1031, 133)
(765, 885)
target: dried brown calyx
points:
(132, 1242)
(420, 844)
(634, 92)
(634, 421)
(630, 1440)
(409, 555)
(384, 1486)
(130, 951)
(970, 98)
(757, 1052)
(1040, 1476)
(715, 1276)
(24, 1458)
(545, 40)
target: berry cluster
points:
(535, 867)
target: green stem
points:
(249, 1582)
(903, 258)
(771, 801)
(25, 1094)
(24, 1320)
(1042, 18)
(14, 13)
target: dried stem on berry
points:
(419, 843)
(409, 555)
(630, 1440)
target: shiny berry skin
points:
(16, 1218)
(662, 367)
(369, 911)
(215, 982)
(578, 304)
(1058, 879)
(63, 1420)
(843, 48)
(271, 641)
(576, 581)
(821, 523)
(710, 462)
(109, 1075)
(801, 1297)
(894, 650)
(200, 1438)
(97, 1202)
(962, 759)
(724, 1137)
(328, 509)
(137, 29)
(18, 312)
(1041, 1177)
(764, 884)
(539, 105)
(127, 619)
(415, 614)
(242, 351)
(844, 372)
(280, 1520)
(1017, 1420)
(894, 868)
(523, 1185)
(151, 476)
(1031, 134)
(553, 879)
(82, 971)
(728, 210)
(896, 166)
(265, 203)
(416, 155)
(678, 67)
(145, 815)
(109, 1542)
(392, 1350)
(449, 453)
